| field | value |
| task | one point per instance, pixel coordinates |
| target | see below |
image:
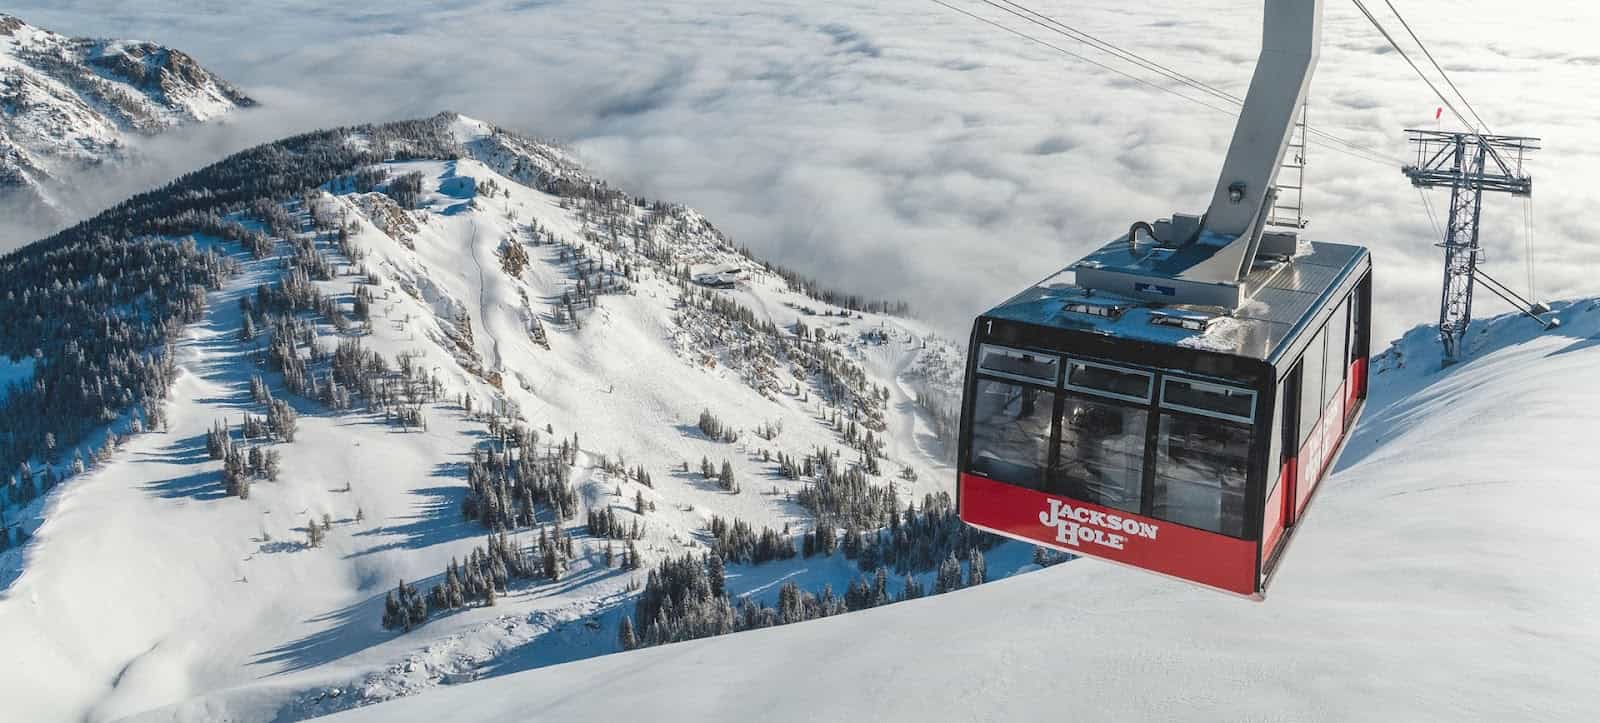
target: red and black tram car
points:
(1184, 439)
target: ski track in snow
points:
(483, 299)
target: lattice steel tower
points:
(1468, 164)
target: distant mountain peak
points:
(70, 103)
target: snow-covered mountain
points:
(417, 336)
(1447, 574)
(71, 103)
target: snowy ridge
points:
(70, 103)
(556, 305)
(1446, 574)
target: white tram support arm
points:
(1290, 42)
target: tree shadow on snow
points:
(182, 452)
(202, 486)
(348, 630)
(278, 547)
(439, 520)
(436, 519)
(695, 480)
(199, 485)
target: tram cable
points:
(1427, 205)
(1436, 65)
(1060, 28)
(1125, 54)
(1324, 139)
(1086, 59)
(1362, 6)
(1527, 244)
(1177, 76)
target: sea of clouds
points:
(898, 148)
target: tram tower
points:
(1469, 163)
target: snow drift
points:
(1446, 574)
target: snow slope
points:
(147, 592)
(1447, 574)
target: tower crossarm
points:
(1501, 171)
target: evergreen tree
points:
(270, 464)
(314, 533)
(391, 612)
(949, 576)
(283, 420)
(625, 635)
(913, 589)
(718, 575)
(977, 568)
(418, 608)
(552, 564)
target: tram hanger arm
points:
(1290, 46)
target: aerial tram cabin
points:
(1167, 437)
(1173, 400)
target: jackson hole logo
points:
(1078, 525)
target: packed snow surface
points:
(1447, 573)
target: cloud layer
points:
(901, 149)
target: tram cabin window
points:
(1358, 322)
(1205, 398)
(1102, 453)
(1100, 379)
(1277, 454)
(1336, 366)
(1103, 426)
(1203, 455)
(1017, 364)
(1311, 373)
(1011, 432)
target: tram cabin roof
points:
(1281, 294)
